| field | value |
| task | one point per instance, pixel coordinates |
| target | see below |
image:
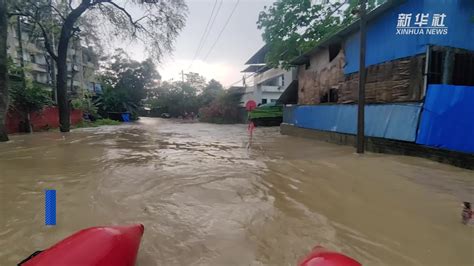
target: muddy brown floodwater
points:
(205, 199)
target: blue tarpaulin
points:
(447, 120)
(384, 44)
(392, 121)
(125, 117)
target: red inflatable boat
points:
(323, 257)
(118, 246)
(95, 246)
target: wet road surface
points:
(206, 197)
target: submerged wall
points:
(444, 121)
(43, 120)
(391, 121)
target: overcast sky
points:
(240, 40)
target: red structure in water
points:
(95, 246)
(42, 120)
(320, 256)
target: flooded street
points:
(205, 199)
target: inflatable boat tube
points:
(320, 256)
(95, 246)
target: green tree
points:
(292, 27)
(178, 98)
(3, 69)
(126, 83)
(224, 109)
(86, 104)
(210, 92)
(27, 97)
(195, 80)
(156, 26)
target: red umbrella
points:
(250, 105)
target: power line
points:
(212, 22)
(201, 41)
(222, 30)
(207, 30)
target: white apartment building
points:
(82, 63)
(264, 84)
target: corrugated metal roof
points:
(255, 68)
(259, 56)
(339, 35)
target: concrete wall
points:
(319, 60)
(43, 120)
(320, 76)
(289, 75)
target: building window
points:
(334, 51)
(32, 58)
(282, 80)
(463, 69)
(264, 101)
(97, 88)
(329, 97)
(273, 100)
(436, 67)
(460, 71)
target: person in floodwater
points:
(466, 213)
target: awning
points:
(259, 56)
(255, 69)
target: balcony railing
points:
(266, 88)
(38, 67)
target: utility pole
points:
(362, 77)
(182, 76)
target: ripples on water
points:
(206, 199)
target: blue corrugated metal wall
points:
(447, 120)
(392, 121)
(383, 44)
